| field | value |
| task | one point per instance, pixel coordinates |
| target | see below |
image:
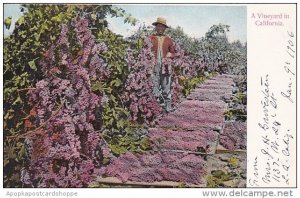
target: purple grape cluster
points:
(65, 146)
(138, 94)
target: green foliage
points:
(114, 118)
(190, 84)
(233, 161)
(211, 182)
(119, 12)
(217, 177)
(236, 114)
(131, 141)
(115, 57)
(237, 58)
(190, 45)
(240, 98)
(237, 109)
(228, 114)
(136, 40)
(214, 48)
(7, 22)
(216, 30)
(114, 114)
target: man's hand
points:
(169, 55)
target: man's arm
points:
(171, 53)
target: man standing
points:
(163, 47)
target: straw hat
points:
(161, 20)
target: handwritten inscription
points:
(254, 182)
(291, 52)
(267, 101)
(276, 136)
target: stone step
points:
(210, 94)
(193, 115)
(216, 86)
(202, 141)
(214, 81)
(154, 167)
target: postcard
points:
(157, 95)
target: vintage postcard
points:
(157, 95)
